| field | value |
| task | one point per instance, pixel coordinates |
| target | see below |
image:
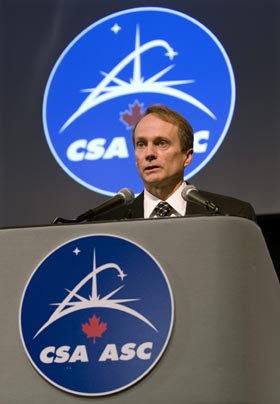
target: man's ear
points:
(188, 157)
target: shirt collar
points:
(175, 200)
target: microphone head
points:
(187, 190)
(127, 195)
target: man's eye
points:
(162, 143)
(140, 145)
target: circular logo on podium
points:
(112, 71)
(96, 315)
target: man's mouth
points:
(151, 168)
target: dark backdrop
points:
(33, 34)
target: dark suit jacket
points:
(227, 206)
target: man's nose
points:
(150, 152)
(150, 157)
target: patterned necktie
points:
(163, 209)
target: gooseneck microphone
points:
(124, 197)
(191, 194)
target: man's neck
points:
(161, 192)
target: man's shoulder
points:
(231, 206)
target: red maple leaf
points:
(131, 117)
(94, 328)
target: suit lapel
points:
(194, 209)
(136, 209)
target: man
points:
(163, 144)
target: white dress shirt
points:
(175, 200)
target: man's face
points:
(158, 154)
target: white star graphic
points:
(116, 28)
(76, 251)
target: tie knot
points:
(163, 209)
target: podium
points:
(225, 344)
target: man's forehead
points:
(153, 125)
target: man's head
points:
(185, 130)
(163, 142)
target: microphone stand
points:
(61, 220)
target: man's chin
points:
(152, 179)
(157, 181)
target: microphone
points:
(191, 194)
(125, 196)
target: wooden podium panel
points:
(225, 345)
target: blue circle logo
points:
(109, 74)
(96, 315)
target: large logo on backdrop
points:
(107, 76)
(96, 315)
